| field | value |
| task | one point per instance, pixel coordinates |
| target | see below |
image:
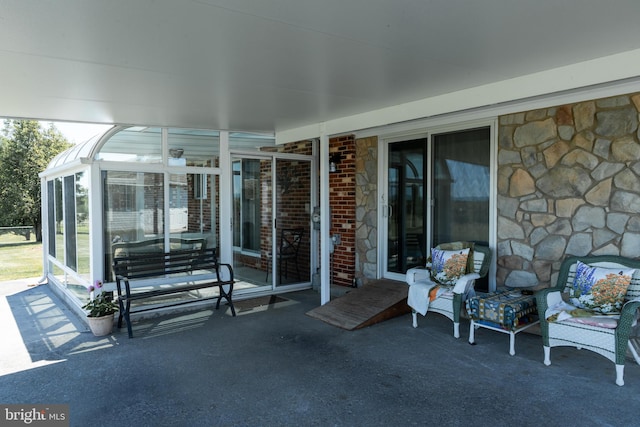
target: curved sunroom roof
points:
(144, 144)
(78, 151)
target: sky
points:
(77, 132)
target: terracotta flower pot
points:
(101, 326)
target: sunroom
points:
(173, 187)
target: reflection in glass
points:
(251, 186)
(82, 221)
(293, 199)
(194, 147)
(178, 210)
(133, 208)
(134, 144)
(59, 218)
(461, 162)
(70, 222)
(51, 218)
(406, 218)
(190, 204)
(251, 141)
(246, 202)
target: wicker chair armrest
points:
(628, 314)
(546, 298)
(418, 274)
(465, 283)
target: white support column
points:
(166, 177)
(44, 226)
(96, 234)
(325, 256)
(226, 202)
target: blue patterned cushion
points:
(448, 266)
(504, 309)
(600, 289)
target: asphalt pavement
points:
(275, 366)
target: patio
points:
(281, 367)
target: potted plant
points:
(101, 309)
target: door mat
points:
(255, 305)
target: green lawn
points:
(19, 258)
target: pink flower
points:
(98, 284)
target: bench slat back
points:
(568, 271)
(141, 266)
(156, 245)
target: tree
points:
(25, 150)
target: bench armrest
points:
(225, 273)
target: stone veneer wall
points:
(568, 184)
(366, 208)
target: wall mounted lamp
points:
(176, 158)
(333, 162)
(176, 153)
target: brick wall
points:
(342, 199)
(199, 210)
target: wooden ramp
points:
(375, 302)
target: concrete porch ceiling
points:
(282, 65)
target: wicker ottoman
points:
(506, 311)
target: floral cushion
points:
(562, 311)
(600, 289)
(448, 266)
(609, 322)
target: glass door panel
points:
(247, 203)
(191, 207)
(407, 213)
(292, 226)
(178, 210)
(461, 163)
(133, 209)
(252, 219)
(461, 188)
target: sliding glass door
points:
(271, 221)
(437, 190)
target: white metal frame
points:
(47, 259)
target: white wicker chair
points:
(610, 343)
(451, 302)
